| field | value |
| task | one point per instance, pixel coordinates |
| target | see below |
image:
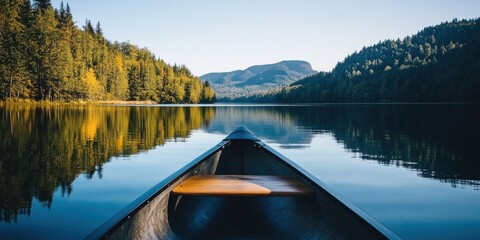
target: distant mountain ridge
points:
(258, 78)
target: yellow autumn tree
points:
(120, 81)
(92, 89)
(194, 91)
(208, 94)
(179, 90)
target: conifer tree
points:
(98, 29)
(44, 56)
(13, 73)
(42, 4)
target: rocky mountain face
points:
(256, 79)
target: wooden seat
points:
(242, 185)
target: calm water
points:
(66, 170)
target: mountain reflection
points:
(277, 124)
(45, 148)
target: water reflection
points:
(278, 124)
(437, 141)
(45, 148)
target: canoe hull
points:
(324, 215)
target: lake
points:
(65, 170)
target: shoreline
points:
(80, 102)
(135, 103)
(116, 102)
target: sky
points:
(226, 35)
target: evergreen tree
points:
(14, 82)
(42, 4)
(89, 27)
(438, 64)
(98, 29)
(44, 56)
(49, 54)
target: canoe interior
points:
(210, 217)
(317, 216)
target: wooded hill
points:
(256, 79)
(44, 56)
(438, 64)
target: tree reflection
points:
(43, 148)
(437, 141)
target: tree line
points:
(438, 64)
(44, 56)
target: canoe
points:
(242, 189)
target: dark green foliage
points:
(44, 56)
(89, 27)
(43, 4)
(440, 63)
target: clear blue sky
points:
(225, 35)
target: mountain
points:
(438, 64)
(256, 79)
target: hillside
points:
(255, 79)
(44, 56)
(438, 64)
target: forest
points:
(46, 57)
(438, 64)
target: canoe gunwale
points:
(115, 222)
(342, 201)
(241, 134)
